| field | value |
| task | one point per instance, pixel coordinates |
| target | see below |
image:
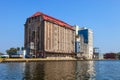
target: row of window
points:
(34, 19)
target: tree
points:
(11, 51)
(18, 50)
(22, 48)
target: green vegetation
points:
(12, 51)
(22, 48)
(2, 57)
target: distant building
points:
(4, 56)
(110, 56)
(16, 56)
(96, 53)
(48, 37)
(1, 53)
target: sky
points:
(102, 16)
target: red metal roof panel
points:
(49, 18)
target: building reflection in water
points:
(34, 71)
(53, 70)
(85, 70)
(59, 70)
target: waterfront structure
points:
(96, 53)
(84, 42)
(46, 36)
(86, 39)
(110, 56)
(4, 56)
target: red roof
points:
(49, 18)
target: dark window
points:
(33, 36)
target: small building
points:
(96, 53)
(110, 56)
(16, 56)
(1, 53)
(4, 56)
(48, 37)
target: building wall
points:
(77, 47)
(34, 35)
(86, 42)
(90, 44)
(58, 39)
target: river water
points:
(61, 70)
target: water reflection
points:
(34, 71)
(85, 70)
(48, 70)
(59, 70)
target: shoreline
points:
(44, 59)
(32, 59)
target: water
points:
(61, 70)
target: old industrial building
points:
(46, 36)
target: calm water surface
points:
(61, 70)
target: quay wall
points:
(33, 59)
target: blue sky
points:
(102, 16)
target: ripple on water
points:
(61, 70)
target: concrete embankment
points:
(31, 59)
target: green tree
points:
(11, 51)
(18, 49)
(22, 48)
